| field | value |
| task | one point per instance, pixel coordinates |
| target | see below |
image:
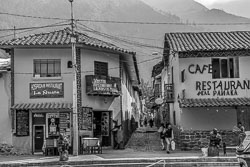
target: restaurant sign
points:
(47, 90)
(102, 85)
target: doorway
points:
(38, 137)
(102, 126)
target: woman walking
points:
(161, 130)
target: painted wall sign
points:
(47, 90)
(103, 85)
(22, 123)
(196, 68)
(221, 88)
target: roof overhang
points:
(214, 102)
(130, 62)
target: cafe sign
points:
(47, 90)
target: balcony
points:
(103, 85)
(169, 93)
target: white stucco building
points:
(42, 88)
(208, 74)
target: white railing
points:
(164, 163)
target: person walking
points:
(162, 135)
(151, 122)
(169, 136)
(241, 131)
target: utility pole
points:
(75, 106)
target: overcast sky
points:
(238, 7)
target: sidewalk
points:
(108, 154)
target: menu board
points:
(64, 122)
(86, 120)
(22, 123)
(65, 125)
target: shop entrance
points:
(38, 137)
(101, 126)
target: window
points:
(47, 67)
(225, 68)
(101, 68)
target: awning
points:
(42, 106)
(214, 102)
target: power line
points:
(120, 39)
(112, 68)
(127, 22)
(28, 28)
(160, 23)
(46, 26)
(35, 17)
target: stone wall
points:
(194, 140)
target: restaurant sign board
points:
(102, 85)
(47, 90)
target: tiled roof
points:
(214, 102)
(208, 41)
(61, 37)
(42, 106)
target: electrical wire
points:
(119, 39)
(88, 71)
(39, 27)
(34, 17)
(126, 22)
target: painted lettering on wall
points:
(196, 68)
(221, 88)
(47, 90)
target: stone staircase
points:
(145, 139)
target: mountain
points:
(177, 7)
(239, 7)
(193, 12)
(134, 35)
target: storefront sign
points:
(22, 123)
(38, 118)
(103, 85)
(221, 88)
(47, 90)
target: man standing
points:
(241, 132)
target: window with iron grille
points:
(47, 67)
(101, 68)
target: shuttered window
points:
(101, 68)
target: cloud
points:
(209, 3)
